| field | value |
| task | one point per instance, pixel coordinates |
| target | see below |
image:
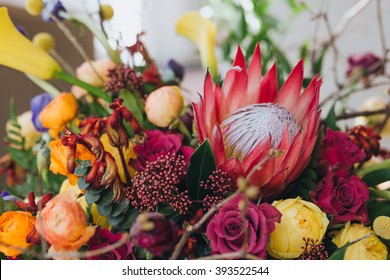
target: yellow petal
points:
(17, 52)
(203, 33)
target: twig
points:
(362, 114)
(192, 228)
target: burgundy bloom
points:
(226, 230)
(339, 153)
(366, 63)
(158, 144)
(343, 197)
(152, 232)
(103, 238)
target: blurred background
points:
(291, 25)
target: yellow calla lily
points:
(203, 33)
(19, 53)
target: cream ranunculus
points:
(370, 248)
(164, 105)
(300, 219)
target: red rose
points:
(104, 238)
(343, 197)
(338, 152)
(158, 144)
(154, 233)
(226, 229)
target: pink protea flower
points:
(248, 117)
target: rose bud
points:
(152, 232)
(300, 219)
(15, 228)
(163, 105)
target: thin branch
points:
(362, 114)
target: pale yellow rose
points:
(75, 190)
(27, 130)
(300, 219)
(163, 105)
(370, 248)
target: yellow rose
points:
(27, 130)
(300, 219)
(15, 226)
(96, 217)
(163, 105)
(58, 113)
(58, 158)
(64, 224)
(370, 248)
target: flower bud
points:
(34, 7)
(382, 226)
(164, 105)
(44, 40)
(106, 11)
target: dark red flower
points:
(154, 233)
(31, 206)
(364, 64)
(158, 144)
(337, 152)
(226, 230)
(343, 197)
(103, 238)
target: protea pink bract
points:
(248, 117)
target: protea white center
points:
(248, 126)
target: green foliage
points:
(339, 253)
(330, 121)
(202, 164)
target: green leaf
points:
(382, 165)
(80, 170)
(10, 206)
(104, 210)
(376, 177)
(339, 253)
(1, 206)
(132, 102)
(330, 120)
(120, 208)
(317, 67)
(202, 164)
(105, 198)
(82, 184)
(85, 163)
(115, 220)
(90, 197)
(131, 215)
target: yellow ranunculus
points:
(60, 111)
(98, 219)
(203, 33)
(370, 248)
(64, 224)
(27, 130)
(17, 52)
(163, 105)
(58, 158)
(127, 152)
(15, 226)
(300, 219)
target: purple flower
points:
(37, 104)
(226, 230)
(176, 68)
(154, 233)
(52, 8)
(366, 64)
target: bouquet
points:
(120, 166)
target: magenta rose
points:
(337, 152)
(103, 238)
(159, 143)
(343, 197)
(226, 230)
(154, 233)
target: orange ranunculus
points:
(15, 226)
(61, 110)
(58, 158)
(63, 223)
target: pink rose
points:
(338, 152)
(103, 238)
(226, 229)
(343, 197)
(154, 233)
(158, 144)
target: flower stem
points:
(47, 87)
(183, 129)
(124, 164)
(95, 91)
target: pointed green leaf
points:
(339, 253)
(202, 164)
(132, 102)
(330, 120)
(376, 177)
